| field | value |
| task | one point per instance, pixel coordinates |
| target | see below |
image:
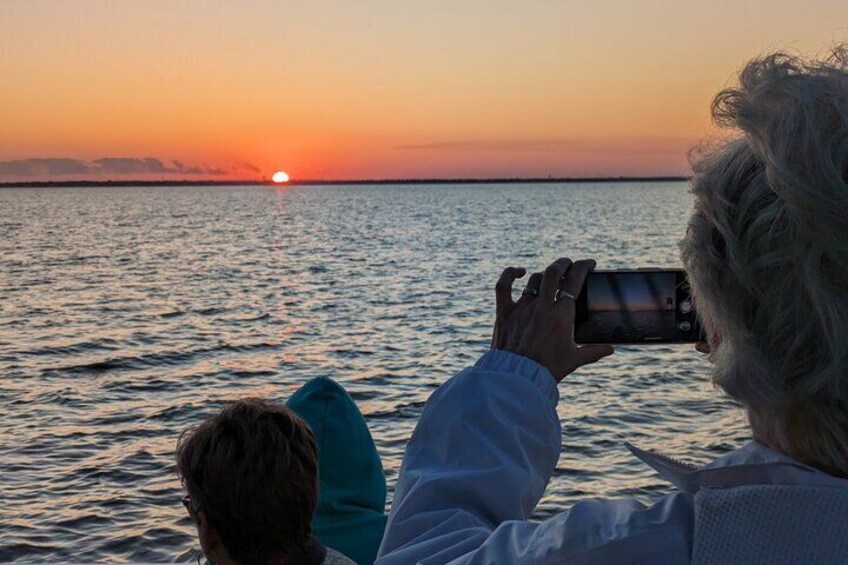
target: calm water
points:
(127, 314)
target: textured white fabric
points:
(335, 558)
(771, 524)
(481, 457)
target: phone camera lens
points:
(684, 326)
(686, 306)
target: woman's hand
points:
(540, 324)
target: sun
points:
(280, 177)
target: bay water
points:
(129, 314)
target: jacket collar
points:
(753, 464)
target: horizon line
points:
(317, 182)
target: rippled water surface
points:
(127, 314)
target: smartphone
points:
(637, 307)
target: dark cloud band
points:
(107, 166)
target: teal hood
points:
(350, 515)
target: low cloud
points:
(555, 145)
(495, 145)
(42, 167)
(110, 167)
(132, 166)
(249, 167)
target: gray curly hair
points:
(767, 253)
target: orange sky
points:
(389, 89)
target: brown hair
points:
(252, 469)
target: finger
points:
(519, 325)
(550, 280)
(503, 288)
(703, 347)
(587, 354)
(576, 277)
(498, 339)
(532, 289)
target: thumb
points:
(588, 354)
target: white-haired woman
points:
(767, 254)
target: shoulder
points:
(618, 530)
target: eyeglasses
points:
(192, 510)
(190, 507)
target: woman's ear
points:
(715, 340)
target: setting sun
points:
(280, 177)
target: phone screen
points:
(643, 306)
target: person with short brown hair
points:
(251, 472)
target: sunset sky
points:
(371, 90)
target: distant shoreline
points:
(120, 183)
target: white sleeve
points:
(477, 465)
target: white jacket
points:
(489, 439)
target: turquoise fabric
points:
(350, 516)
